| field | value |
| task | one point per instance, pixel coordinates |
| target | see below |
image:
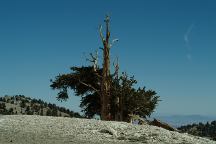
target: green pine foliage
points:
(85, 81)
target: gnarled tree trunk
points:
(105, 84)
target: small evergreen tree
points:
(23, 104)
(27, 109)
(11, 111)
(2, 106)
(54, 112)
(41, 112)
(49, 112)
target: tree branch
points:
(107, 20)
(113, 42)
(101, 33)
(88, 85)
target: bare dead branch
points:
(88, 85)
(116, 66)
(101, 48)
(107, 21)
(101, 33)
(94, 59)
(113, 42)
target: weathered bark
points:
(119, 99)
(105, 84)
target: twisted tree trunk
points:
(105, 84)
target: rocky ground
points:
(23, 129)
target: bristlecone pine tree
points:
(110, 96)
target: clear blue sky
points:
(169, 45)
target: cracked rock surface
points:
(25, 129)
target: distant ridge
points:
(22, 105)
(204, 130)
(179, 120)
